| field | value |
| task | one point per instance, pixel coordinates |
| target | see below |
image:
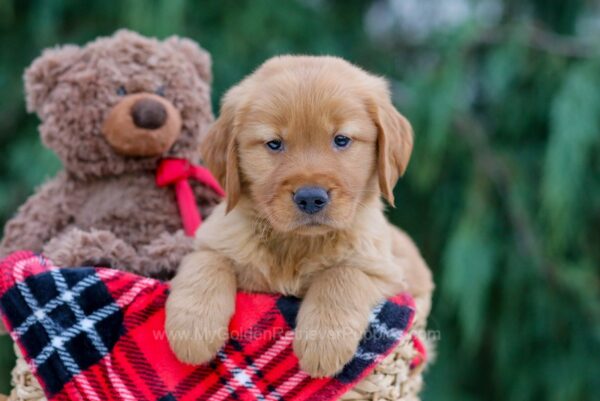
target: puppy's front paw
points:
(324, 349)
(195, 338)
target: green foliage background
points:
(503, 192)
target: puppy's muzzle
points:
(311, 200)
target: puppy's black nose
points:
(148, 114)
(310, 200)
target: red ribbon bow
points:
(177, 172)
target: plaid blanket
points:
(97, 334)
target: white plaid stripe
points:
(95, 317)
(79, 380)
(134, 291)
(87, 324)
(20, 266)
(56, 336)
(243, 377)
(116, 381)
(53, 304)
(380, 328)
(367, 356)
(124, 300)
(50, 328)
(383, 329)
(57, 341)
(75, 330)
(86, 389)
(287, 386)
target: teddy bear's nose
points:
(148, 114)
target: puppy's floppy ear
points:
(42, 76)
(394, 144)
(220, 150)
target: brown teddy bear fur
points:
(105, 208)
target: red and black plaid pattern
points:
(98, 334)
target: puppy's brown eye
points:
(341, 141)
(275, 145)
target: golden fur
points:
(342, 260)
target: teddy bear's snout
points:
(142, 125)
(148, 113)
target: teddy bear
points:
(117, 112)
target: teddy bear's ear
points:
(199, 57)
(43, 74)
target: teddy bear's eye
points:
(160, 91)
(121, 91)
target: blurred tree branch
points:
(543, 40)
(496, 169)
(530, 36)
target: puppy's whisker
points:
(364, 191)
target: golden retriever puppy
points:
(304, 147)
